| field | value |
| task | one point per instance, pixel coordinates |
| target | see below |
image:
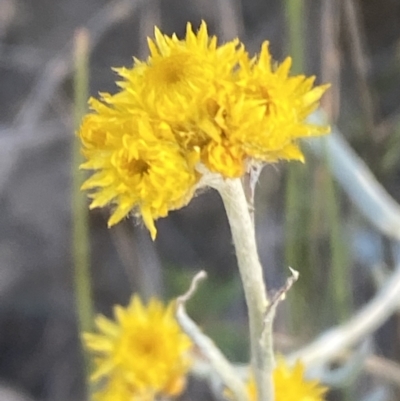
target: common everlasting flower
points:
(141, 355)
(191, 104)
(290, 385)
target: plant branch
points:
(327, 346)
(217, 360)
(357, 180)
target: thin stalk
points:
(340, 274)
(295, 23)
(297, 217)
(242, 228)
(339, 261)
(298, 234)
(80, 231)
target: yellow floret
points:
(142, 354)
(290, 385)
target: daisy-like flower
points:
(191, 104)
(176, 81)
(141, 355)
(138, 166)
(290, 385)
(286, 103)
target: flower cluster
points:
(141, 355)
(191, 103)
(290, 385)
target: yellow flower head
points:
(191, 103)
(286, 101)
(138, 166)
(290, 385)
(142, 354)
(179, 75)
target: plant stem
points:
(242, 228)
(298, 251)
(295, 24)
(80, 234)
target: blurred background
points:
(304, 218)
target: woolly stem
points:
(242, 228)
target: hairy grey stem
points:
(251, 272)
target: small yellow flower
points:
(290, 385)
(142, 170)
(191, 104)
(286, 101)
(179, 75)
(142, 354)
